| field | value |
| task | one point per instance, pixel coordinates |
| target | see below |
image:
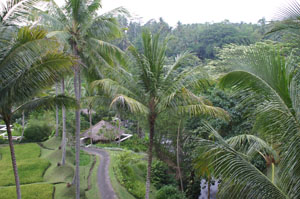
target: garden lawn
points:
(30, 191)
(30, 166)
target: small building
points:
(103, 132)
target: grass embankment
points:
(29, 191)
(38, 169)
(132, 180)
(61, 175)
(31, 168)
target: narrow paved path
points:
(105, 188)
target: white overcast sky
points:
(198, 11)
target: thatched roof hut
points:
(103, 131)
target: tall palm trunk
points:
(90, 118)
(177, 157)
(13, 156)
(77, 90)
(151, 136)
(63, 141)
(56, 112)
(208, 188)
(23, 126)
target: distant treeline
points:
(200, 39)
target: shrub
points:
(135, 144)
(160, 175)
(128, 174)
(17, 129)
(37, 131)
(169, 192)
(2, 140)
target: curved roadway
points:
(105, 188)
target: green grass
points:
(139, 175)
(134, 144)
(85, 159)
(31, 191)
(64, 174)
(119, 189)
(93, 193)
(30, 166)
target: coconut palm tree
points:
(16, 12)
(230, 160)
(151, 88)
(85, 34)
(287, 20)
(272, 81)
(29, 62)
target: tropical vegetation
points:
(184, 108)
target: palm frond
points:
(45, 72)
(239, 177)
(203, 110)
(178, 60)
(17, 11)
(131, 104)
(111, 87)
(47, 102)
(250, 145)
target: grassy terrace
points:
(31, 170)
(136, 162)
(31, 166)
(41, 177)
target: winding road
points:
(105, 188)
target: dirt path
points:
(105, 188)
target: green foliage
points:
(17, 129)
(84, 159)
(160, 175)
(31, 167)
(128, 174)
(169, 192)
(135, 144)
(32, 191)
(200, 39)
(2, 140)
(37, 131)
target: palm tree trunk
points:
(151, 135)
(90, 117)
(56, 112)
(177, 157)
(13, 156)
(23, 125)
(63, 142)
(208, 188)
(77, 89)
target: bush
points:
(160, 175)
(2, 140)
(17, 129)
(37, 131)
(127, 174)
(135, 144)
(169, 192)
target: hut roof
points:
(109, 132)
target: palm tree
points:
(230, 160)
(28, 63)
(272, 81)
(86, 34)
(16, 12)
(287, 21)
(151, 88)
